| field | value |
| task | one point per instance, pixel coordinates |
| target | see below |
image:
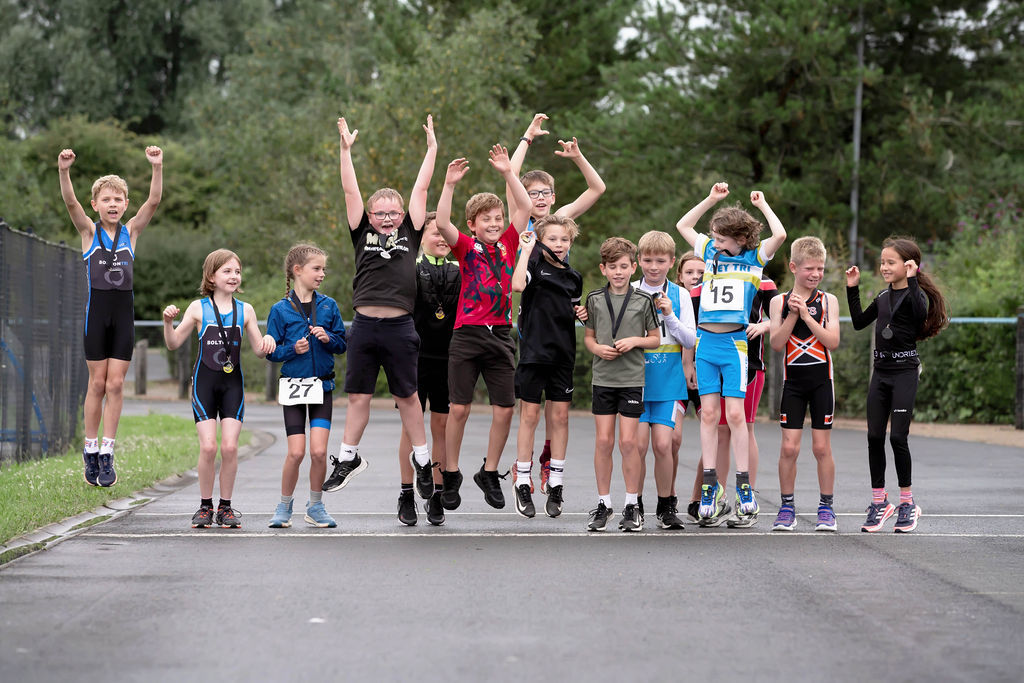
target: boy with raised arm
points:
(482, 341)
(386, 241)
(734, 258)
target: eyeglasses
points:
(536, 194)
(381, 215)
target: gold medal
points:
(439, 313)
(228, 367)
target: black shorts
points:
(624, 401)
(796, 396)
(109, 325)
(433, 384)
(480, 350)
(319, 415)
(391, 343)
(553, 381)
(217, 394)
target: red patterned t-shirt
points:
(486, 294)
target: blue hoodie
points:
(288, 325)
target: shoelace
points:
(906, 511)
(555, 493)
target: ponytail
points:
(938, 315)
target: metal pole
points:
(856, 252)
(141, 351)
(270, 392)
(1018, 421)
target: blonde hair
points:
(215, 260)
(805, 249)
(114, 182)
(683, 260)
(540, 228)
(614, 248)
(736, 223)
(538, 176)
(482, 201)
(384, 193)
(656, 242)
(299, 255)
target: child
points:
(621, 323)
(386, 241)
(308, 331)
(217, 386)
(540, 186)
(108, 249)
(912, 308)
(437, 297)
(664, 376)
(547, 351)
(805, 322)
(482, 341)
(688, 275)
(725, 303)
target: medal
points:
(439, 313)
(887, 332)
(228, 367)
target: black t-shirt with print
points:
(385, 265)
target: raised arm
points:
(686, 224)
(349, 184)
(772, 244)
(418, 199)
(82, 223)
(527, 242)
(501, 163)
(533, 131)
(138, 223)
(456, 171)
(595, 186)
(176, 336)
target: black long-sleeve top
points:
(900, 351)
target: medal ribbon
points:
(220, 326)
(611, 310)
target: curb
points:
(52, 534)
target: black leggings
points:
(891, 394)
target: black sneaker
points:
(632, 519)
(524, 501)
(92, 467)
(599, 517)
(407, 508)
(693, 511)
(554, 505)
(450, 498)
(489, 484)
(424, 477)
(344, 470)
(203, 519)
(434, 509)
(228, 518)
(106, 476)
(669, 518)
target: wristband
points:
(526, 140)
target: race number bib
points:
(722, 295)
(299, 390)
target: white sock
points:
(422, 455)
(607, 500)
(523, 471)
(631, 498)
(348, 452)
(555, 474)
(315, 496)
(107, 446)
(287, 500)
(92, 445)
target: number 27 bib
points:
(300, 390)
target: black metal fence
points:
(43, 375)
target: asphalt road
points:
(492, 596)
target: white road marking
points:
(444, 533)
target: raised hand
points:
(570, 149)
(456, 171)
(534, 130)
(154, 155)
(347, 138)
(65, 159)
(757, 199)
(852, 276)
(429, 130)
(912, 268)
(171, 312)
(527, 241)
(499, 159)
(719, 192)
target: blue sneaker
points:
(92, 467)
(746, 504)
(282, 518)
(826, 519)
(316, 515)
(712, 504)
(786, 519)
(877, 514)
(907, 515)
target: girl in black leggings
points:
(910, 309)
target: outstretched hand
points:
(719, 192)
(65, 159)
(499, 159)
(428, 128)
(852, 276)
(570, 149)
(535, 130)
(154, 155)
(456, 171)
(347, 138)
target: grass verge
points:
(149, 448)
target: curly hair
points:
(735, 222)
(938, 316)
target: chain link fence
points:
(43, 375)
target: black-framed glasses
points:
(381, 215)
(536, 194)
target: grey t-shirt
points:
(628, 369)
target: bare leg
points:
(114, 388)
(356, 418)
(643, 442)
(788, 454)
(229, 431)
(628, 427)
(736, 418)
(664, 470)
(454, 432)
(529, 418)
(556, 416)
(821, 444)
(292, 461)
(94, 397)
(438, 430)
(207, 430)
(501, 422)
(604, 444)
(318, 438)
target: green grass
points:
(149, 449)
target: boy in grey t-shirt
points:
(621, 323)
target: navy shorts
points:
(373, 343)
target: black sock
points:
(406, 487)
(710, 477)
(827, 498)
(438, 488)
(206, 502)
(742, 478)
(789, 499)
(224, 503)
(664, 502)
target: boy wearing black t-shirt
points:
(386, 241)
(547, 350)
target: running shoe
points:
(203, 519)
(826, 519)
(106, 476)
(316, 515)
(693, 511)
(631, 520)
(524, 501)
(906, 518)
(92, 467)
(282, 518)
(450, 497)
(599, 517)
(424, 477)
(746, 503)
(344, 471)
(407, 508)
(514, 471)
(877, 514)
(738, 521)
(711, 501)
(488, 482)
(553, 507)
(668, 516)
(545, 470)
(228, 518)
(434, 509)
(786, 519)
